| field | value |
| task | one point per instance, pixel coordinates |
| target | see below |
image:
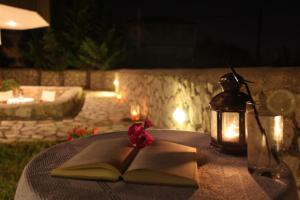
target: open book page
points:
(103, 159)
(164, 162)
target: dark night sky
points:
(224, 22)
(229, 21)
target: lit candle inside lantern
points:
(278, 131)
(231, 132)
(135, 112)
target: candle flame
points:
(278, 131)
(134, 112)
(263, 141)
(232, 131)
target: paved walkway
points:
(100, 110)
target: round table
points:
(221, 176)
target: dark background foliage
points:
(113, 34)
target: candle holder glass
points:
(263, 151)
(135, 112)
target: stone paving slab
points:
(105, 113)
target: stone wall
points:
(100, 80)
(23, 76)
(160, 92)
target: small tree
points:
(91, 39)
(98, 55)
(46, 52)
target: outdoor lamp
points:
(228, 116)
(13, 18)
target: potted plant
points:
(8, 88)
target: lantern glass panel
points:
(230, 127)
(214, 124)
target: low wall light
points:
(119, 96)
(179, 115)
(116, 84)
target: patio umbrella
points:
(14, 18)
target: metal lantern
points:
(228, 116)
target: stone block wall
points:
(160, 92)
(50, 78)
(100, 80)
(23, 76)
(74, 78)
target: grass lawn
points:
(13, 158)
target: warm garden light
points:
(116, 83)
(11, 23)
(20, 19)
(179, 115)
(119, 96)
(107, 94)
(13, 18)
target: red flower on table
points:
(138, 136)
(134, 131)
(144, 139)
(147, 124)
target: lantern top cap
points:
(230, 102)
(231, 82)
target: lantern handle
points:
(236, 76)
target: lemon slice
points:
(281, 102)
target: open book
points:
(163, 162)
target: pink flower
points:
(139, 136)
(144, 139)
(134, 131)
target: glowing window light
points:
(179, 115)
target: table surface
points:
(221, 176)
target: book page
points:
(102, 158)
(164, 162)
